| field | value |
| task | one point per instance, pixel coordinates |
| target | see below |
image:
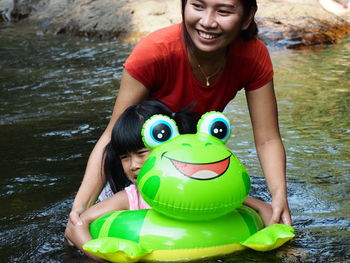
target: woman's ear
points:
(249, 19)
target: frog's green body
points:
(196, 187)
(204, 178)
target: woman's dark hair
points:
(249, 33)
(126, 137)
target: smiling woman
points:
(203, 63)
(209, 28)
(213, 25)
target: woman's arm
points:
(263, 113)
(131, 92)
(78, 235)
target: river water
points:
(57, 93)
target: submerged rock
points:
(296, 24)
(289, 23)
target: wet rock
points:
(6, 7)
(101, 18)
(15, 10)
(93, 18)
(297, 37)
(296, 25)
(288, 23)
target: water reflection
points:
(315, 125)
(57, 94)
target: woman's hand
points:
(74, 216)
(263, 112)
(280, 211)
(267, 211)
(78, 235)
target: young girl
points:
(123, 158)
(126, 139)
(203, 61)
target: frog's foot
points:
(115, 249)
(269, 238)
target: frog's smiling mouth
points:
(201, 171)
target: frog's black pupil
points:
(218, 129)
(161, 132)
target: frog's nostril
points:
(186, 144)
(208, 144)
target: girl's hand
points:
(280, 212)
(74, 216)
(265, 211)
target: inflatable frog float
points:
(196, 187)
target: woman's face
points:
(132, 163)
(213, 24)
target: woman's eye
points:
(224, 12)
(197, 6)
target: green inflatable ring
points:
(196, 188)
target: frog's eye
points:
(215, 124)
(158, 129)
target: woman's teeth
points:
(207, 36)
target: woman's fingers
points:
(74, 217)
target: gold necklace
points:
(207, 78)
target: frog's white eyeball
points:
(158, 129)
(216, 124)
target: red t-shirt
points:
(160, 63)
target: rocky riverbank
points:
(288, 23)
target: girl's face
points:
(132, 163)
(213, 24)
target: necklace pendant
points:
(207, 83)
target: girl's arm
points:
(79, 234)
(264, 209)
(131, 92)
(263, 113)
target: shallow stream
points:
(57, 93)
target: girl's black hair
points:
(126, 137)
(249, 33)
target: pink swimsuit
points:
(135, 199)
